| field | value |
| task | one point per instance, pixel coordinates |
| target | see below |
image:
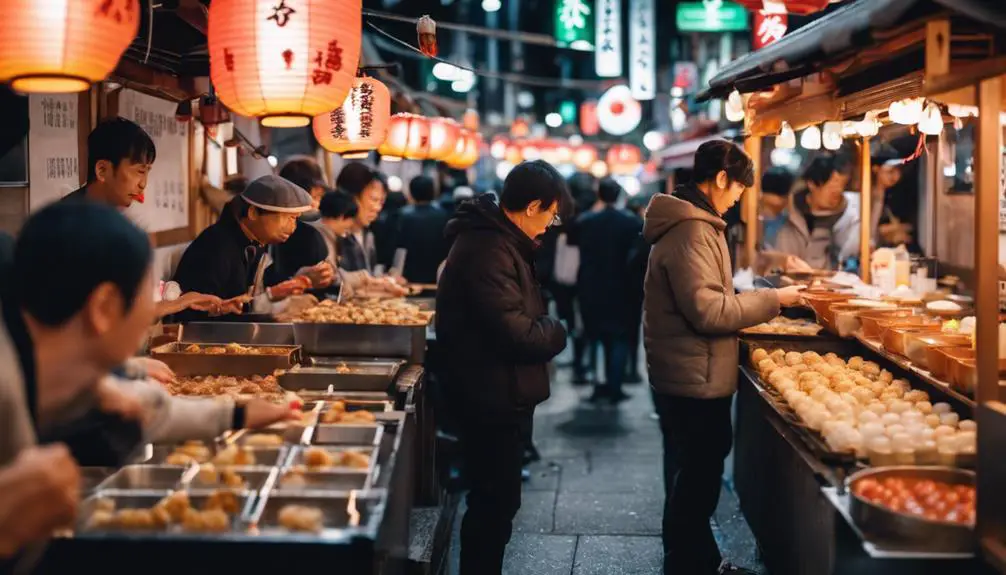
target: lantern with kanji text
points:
(408, 137)
(624, 159)
(52, 47)
(466, 151)
(284, 61)
(444, 136)
(360, 124)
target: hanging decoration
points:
(444, 137)
(360, 124)
(931, 122)
(624, 159)
(584, 156)
(574, 24)
(498, 147)
(801, 7)
(284, 61)
(466, 151)
(642, 49)
(734, 107)
(588, 118)
(906, 112)
(608, 39)
(56, 47)
(831, 135)
(408, 137)
(810, 139)
(787, 137)
(618, 113)
(520, 128)
(426, 28)
(471, 120)
(768, 28)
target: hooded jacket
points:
(491, 320)
(690, 312)
(821, 246)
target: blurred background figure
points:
(386, 225)
(635, 277)
(358, 250)
(776, 183)
(421, 232)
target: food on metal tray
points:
(316, 457)
(209, 474)
(301, 518)
(786, 326)
(222, 500)
(337, 414)
(234, 455)
(932, 500)
(343, 368)
(264, 440)
(174, 508)
(226, 385)
(208, 521)
(188, 453)
(234, 349)
(369, 312)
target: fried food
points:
(366, 312)
(294, 477)
(265, 387)
(174, 508)
(234, 455)
(338, 414)
(209, 474)
(301, 518)
(318, 458)
(343, 368)
(208, 521)
(224, 500)
(234, 349)
(188, 452)
(785, 326)
(264, 440)
(175, 505)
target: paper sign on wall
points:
(53, 148)
(166, 203)
(642, 49)
(608, 57)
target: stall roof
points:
(851, 27)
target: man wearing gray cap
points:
(226, 259)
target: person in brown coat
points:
(691, 317)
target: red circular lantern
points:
(520, 129)
(584, 156)
(408, 137)
(802, 7)
(50, 47)
(471, 120)
(360, 124)
(284, 61)
(513, 154)
(624, 159)
(466, 152)
(444, 136)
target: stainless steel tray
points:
(256, 478)
(92, 477)
(152, 477)
(408, 342)
(346, 434)
(184, 363)
(263, 455)
(146, 499)
(363, 376)
(246, 333)
(328, 480)
(297, 458)
(340, 511)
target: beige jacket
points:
(691, 314)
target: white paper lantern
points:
(618, 113)
(786, 138)
(810, 139)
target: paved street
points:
(594, 503)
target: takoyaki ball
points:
(871, 369)
(175, 505)
(778, 356)
(856, 363)
(101, 519)
(896, 390)
(224, 500)
(757, 355)
(794, 358)
(301, 518)
(766, 366)
(812, 358)
(844, 386)
(877, 387)
(210, 521)
(317, 457)
(886, 376)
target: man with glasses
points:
(497, 340)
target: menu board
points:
(166, 203)
(53, 148)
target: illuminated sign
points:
(711, 16)
(574, 24)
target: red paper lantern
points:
(470, 120)
(408, 137)
(624, 159)
(519, 128)
(588, 118)
(513, 154)
(802, 7)
(360, 124)
(284, 61)
(50, 47)
(444, 136)
(466, 152)
(584, 156)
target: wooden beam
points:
(749, 205)
(865, 209)
(964, 76)
(937, 47)
(988, 155)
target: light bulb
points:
(653, 140)
(394, 183)
(831, 137)
(735, 107)
(786, 138)
(503, 170)
(553, 120)
(931, 122)
(810, 139)
(599, 169)
(906, 112)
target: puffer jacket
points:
(691, 314)
(491, 321)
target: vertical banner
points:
(53, 151)
(574, 24)
(768, 28)
(642, 49)
(608, 43)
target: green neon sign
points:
(574, 24)
(711, 16)
(567, 109)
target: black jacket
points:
(606, 239)
(421, 234)
(304, 248)
(491, 320)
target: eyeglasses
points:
(556, 220)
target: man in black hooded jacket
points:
(498, 339)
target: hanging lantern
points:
(734, 107)
(360, 124)
(786, 139)
(618, 113)
(470, 120)
(513, 154)
(931, 123)
(831, 135)
(498, 147)
(584, 156)
(624, 159)
(284, 61)
(519, 129)
(466, 152)
(444, 136)
(52, 47)
(563, 153)
(801, 7)
(599, 169)
(408, 137)
(810, 139)
(906, 112)
(426, 28)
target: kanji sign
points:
(608, 57)
(574, 24)
(711, 16)
(642, 49)
(768, 28)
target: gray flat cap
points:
(276, 194)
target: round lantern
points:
(408, 137)
(466, 152)
(520, 128)
(497, 148)
(584, 156)
(471, 119)
(51, 47)
(624, 159)
(360, 124)
(514, 154)
(284, 61)
(444, 136)
(618, 113)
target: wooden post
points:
(865, 209)
(749, 204)
(988, 156)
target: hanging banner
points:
(166, 197)
(768, 28)
(608, 57)
(574, 24)
(642, 50)
(53, 148)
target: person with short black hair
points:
(120, 155)
(304, 252)
(822, 227)
(606, 238)
(691, 319)
(776, 184)
(497, 340)
(358, 250)
(886, 229)
(420, 233)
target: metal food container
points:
(895, 338)
(297, 458)
(245, 333)
(347, 434)
(879, 521)
(149, 477)
(325, 480)
(340, 511)
(147, 500)
(408, 342)
(256, 478)
(238, 365)
(941, 358)
(917, 345)
(361, 376)
(92, 477)
(271, 438)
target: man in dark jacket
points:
(421, 233)
(606, 239)
(497, 339)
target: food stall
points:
(858, 449)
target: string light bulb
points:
(831, 137)
(906, 112)
(810, 139)
(931, 122)
(735, 107)
(786, 138)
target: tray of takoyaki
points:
(861, 410)
(230, 359)
(782, 327)
(342, 375)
